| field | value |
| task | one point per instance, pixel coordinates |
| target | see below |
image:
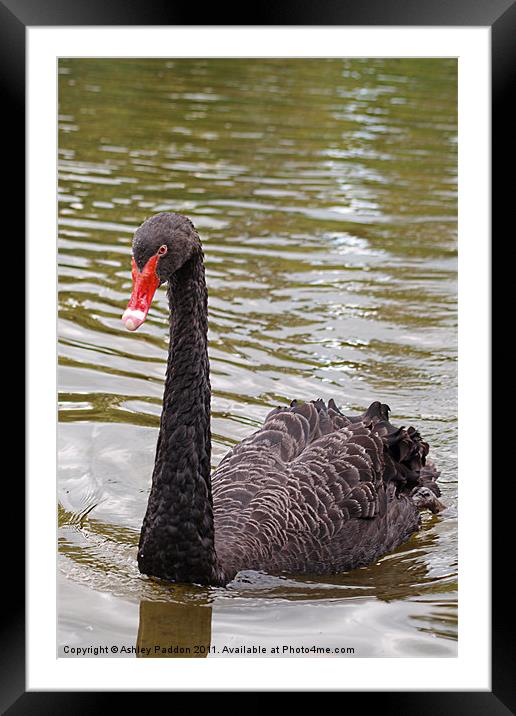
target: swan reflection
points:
(171, 630)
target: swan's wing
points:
(308, 472)
(322, 447)
(338, 477)
(286, 433)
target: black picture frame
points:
(15, 17)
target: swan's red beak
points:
(145, 283)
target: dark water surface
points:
(325, 195)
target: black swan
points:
(312, 492)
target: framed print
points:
(282, 455)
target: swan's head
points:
(161, 246)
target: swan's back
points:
(314, 491)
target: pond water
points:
(325, 193)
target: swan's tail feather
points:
(404, 459)
(405, 452)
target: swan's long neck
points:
(177, 537)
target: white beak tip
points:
(133, 319)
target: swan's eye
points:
(162, 250)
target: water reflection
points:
(174, 630)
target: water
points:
(325, 195)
